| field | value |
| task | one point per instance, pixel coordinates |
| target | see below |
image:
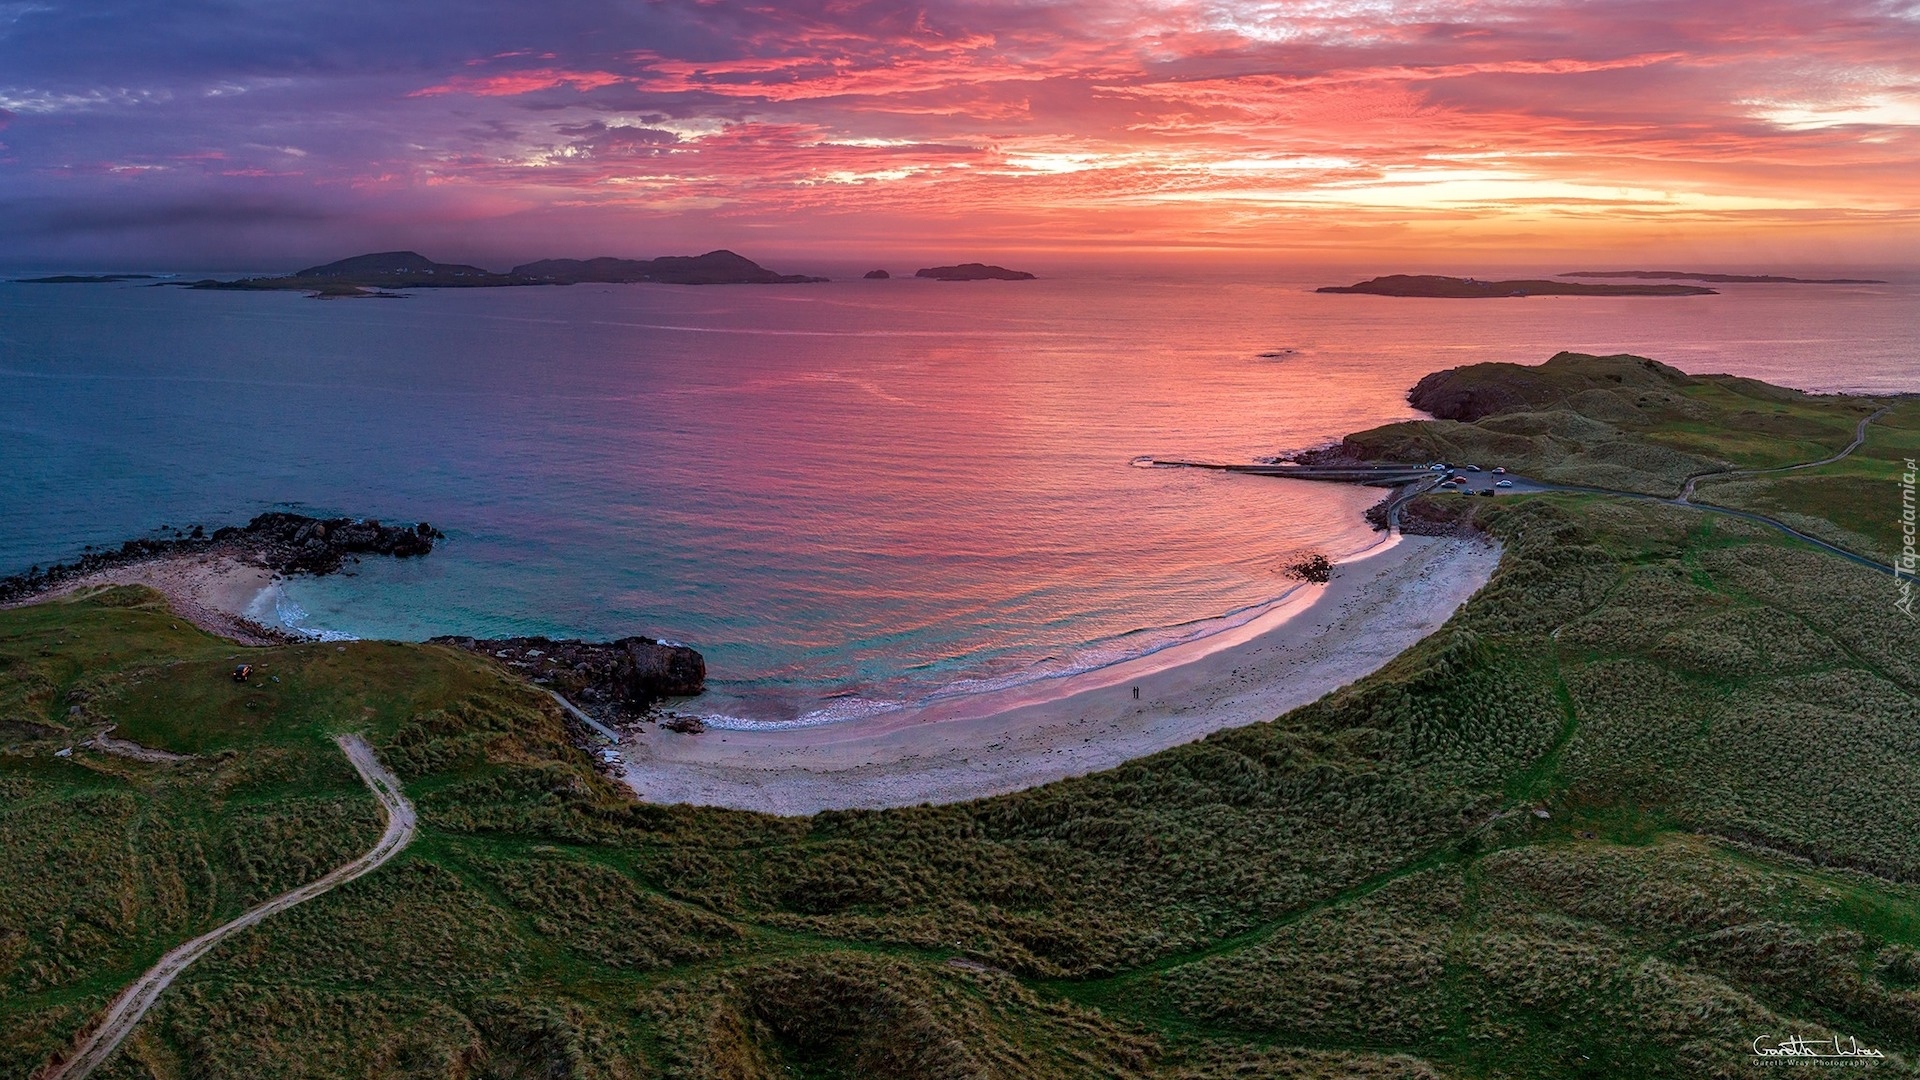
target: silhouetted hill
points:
(388, 267)
(973, 272)
(365, 275)
(714, 268)
(1435, 285)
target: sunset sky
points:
(211, 134)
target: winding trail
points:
(1859, 440)
(1685, 498)
(98, 1043)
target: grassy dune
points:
(1622, 422)
(1646, 797)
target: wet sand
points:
(1319, 639)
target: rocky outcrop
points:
(286, 543)
(876, 275)
(624, 676)
(297, 544)
(973, 272)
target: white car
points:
(1503, 483)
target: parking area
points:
(1484, 480)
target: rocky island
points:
(374, 274)
(82, 279)
(1436, 285)
(973, 272)
(1681, 275)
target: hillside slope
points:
(1645, 799)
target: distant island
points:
(876, 275)
(83, 279)
(973, 272)
(1469, 288)
(1679, 275)
(368, 275)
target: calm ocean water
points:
(845, 495)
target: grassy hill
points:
(1645, 798)
(1620, 421)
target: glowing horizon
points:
(1413, 133)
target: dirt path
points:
(99, 1042)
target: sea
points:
(849, 496)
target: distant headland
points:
(973, 272)
(1471, 288)
(83, 279)
(371, 275)
(1685, 275)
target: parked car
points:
(1473, 468)
(1498, 469)
(1503, 483)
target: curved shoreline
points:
(1321, 638)
(952, 748)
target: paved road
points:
(1859, 440)
(1522, 485)
(1415, 480)
(126, 1010)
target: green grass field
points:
(1647, 797)
(1854, 502)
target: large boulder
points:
(612, 677)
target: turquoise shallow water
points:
(845, 495)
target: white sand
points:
(1321, 638)
(211, 591)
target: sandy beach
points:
(211, 591)
(1321, 638)
(1316, 640)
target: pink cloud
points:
(515, 83)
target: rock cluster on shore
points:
(621, 677)
(282, 542)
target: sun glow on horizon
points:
(1078, 125)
